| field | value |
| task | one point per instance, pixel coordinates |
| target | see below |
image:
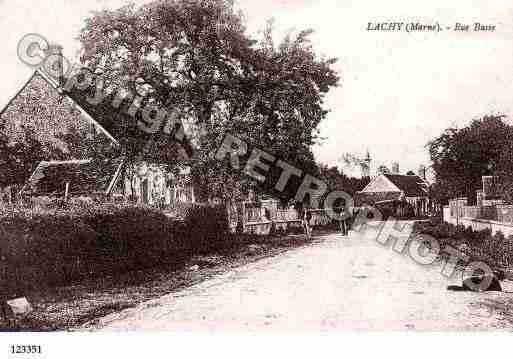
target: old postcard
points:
(237, 166)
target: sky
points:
(397, 91)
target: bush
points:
(496, 250)
(134, 236)
(41, 248)
(207, 224)
(435, 221)
(49, 247)
(439, 231)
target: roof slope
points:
(371, 198)
(39, 108)
(412, 186)
(84, 177)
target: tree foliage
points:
(384, 169)
(505, 169)
(195, 56)
(19, 159)
(462, 156)
(338, 181)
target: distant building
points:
(396, 195)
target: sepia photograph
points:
(284, 167)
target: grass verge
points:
(68, 307)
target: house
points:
(102, 178)
(61, 120)
(153, 184)
(396, 195)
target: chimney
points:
(395, 168)
(53, 64)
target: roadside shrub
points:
(207, 225)
(435, 221)
(41, 247)
(476, 237)
(54, 247)
(495, 250)
(440, 231)
(133, 236)
(51, 245)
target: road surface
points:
(336, 283)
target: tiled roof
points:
(412, 186)
(84, 177)
(370, 198)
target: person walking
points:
(342, 226)
(307, 217)
(345, 221)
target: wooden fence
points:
(257, 218)
(267, 214)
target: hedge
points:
(496, 250)
(40, 248)
(207, 223)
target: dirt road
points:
(336, 283)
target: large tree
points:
(505, 168)
(19, 159)
(196, 57)
(462, 156)
(337, 180)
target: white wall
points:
(158, 185)
(479, 224)
(381, 184)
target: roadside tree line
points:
(462, 156)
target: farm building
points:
(396, 195)
(60, 122)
